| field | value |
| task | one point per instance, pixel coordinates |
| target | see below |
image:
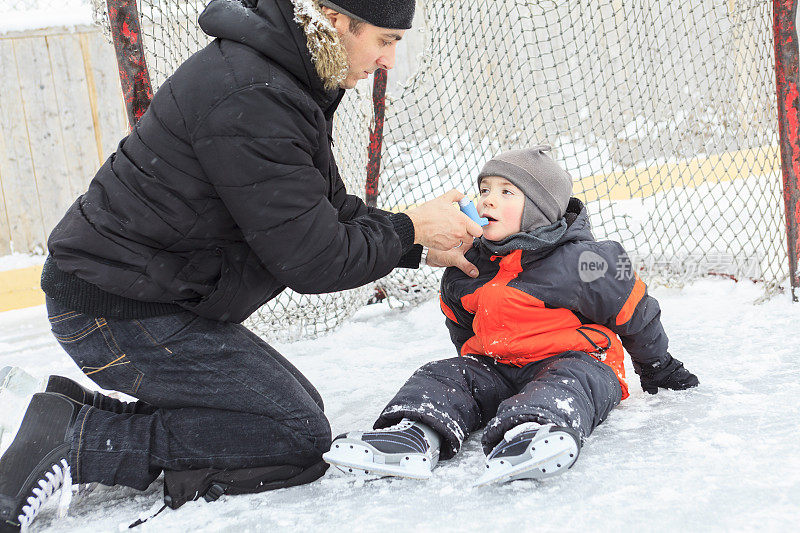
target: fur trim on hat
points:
(327, 51)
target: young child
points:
(540, 335)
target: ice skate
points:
(531, 451)
(70, 389)
(35, 465)
(408, 449)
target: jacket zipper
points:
(599, 353)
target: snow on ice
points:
(721, 457)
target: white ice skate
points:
(408, 449)
(531, 451)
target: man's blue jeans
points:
(211, 395)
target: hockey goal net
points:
(664, 113)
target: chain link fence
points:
(663, 112)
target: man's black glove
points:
(669, 374)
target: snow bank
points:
(38, 15)
(18, 260)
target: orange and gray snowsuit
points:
(540, 333)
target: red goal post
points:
(786, 76)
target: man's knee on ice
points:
(319, 433)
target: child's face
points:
(501, 202)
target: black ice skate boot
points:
(407, 449)
(35, 465)
(70, 389)
(531, 451)
(80, 394)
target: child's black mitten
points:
(667, 375)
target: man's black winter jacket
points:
(226, 191)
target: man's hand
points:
(668, 375)
(440, 226)
(454, 258)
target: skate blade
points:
(537, 467)
(358, 474)
(357, 460)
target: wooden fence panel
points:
(5, 230)
(8, 68)
(25, 228)
(74, 109)
(61, 116)
(112, 119)
(44, 128)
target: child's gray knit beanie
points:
(547, 186)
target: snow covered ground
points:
(19, 260)
(21, 15)
(720, 457)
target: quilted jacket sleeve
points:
(263, 168)
(350, 207)
(619, 300)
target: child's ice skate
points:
(408, 449)
(531, 451)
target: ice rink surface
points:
(722, 457)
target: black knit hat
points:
(393, 14)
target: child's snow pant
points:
(213, 397)
(460, 395)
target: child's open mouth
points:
(490, 219)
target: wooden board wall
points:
(61, 116)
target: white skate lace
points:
(57, 477)
(521, 428)
(425, 447)
(403, 424)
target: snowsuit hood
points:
(574, 227)
(292, 33)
